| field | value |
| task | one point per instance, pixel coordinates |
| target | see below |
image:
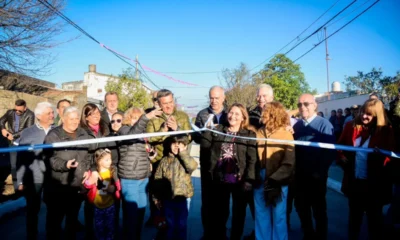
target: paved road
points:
(12, 226)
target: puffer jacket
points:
(58, 175)
(173, 176)
(134, 162)
(25, 120)
(155, 124)
(245, 152)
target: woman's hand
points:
(154, 113)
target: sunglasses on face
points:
(305, 104)
(116, 120)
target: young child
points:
(173, 177)
(104, 195)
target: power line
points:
(316, 45)
(147, 76)
(349, 13)
(316, 31)
(298, 36)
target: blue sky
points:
(209, 35)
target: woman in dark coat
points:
(232, 169)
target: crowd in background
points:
(237, 166)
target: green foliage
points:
(130, 91)
(373, 81)
(286, 78)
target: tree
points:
(27, 31)
(373, 81)
(240, 87)
(130, 91)
(286, 78)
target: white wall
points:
(96, 84)
(328, 106)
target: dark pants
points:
(289, 203)
(221, 196)
(361, 200)
(33, 195)
(89, 219)
(104, 222)
(62, 204)
(153, 208)
(176, 215)
(310, 196)
(206, 204)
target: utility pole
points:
(137, 71)
(327, 64)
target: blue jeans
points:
(134, 202)
(176, 215)
(270, 221)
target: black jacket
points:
(255, 116)
(201, 119)
(58, 176)
(134, 162)
(25, 120)
(245, 152)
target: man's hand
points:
(21, 187)
(158, 204)
(154, 113)
(72, 164)
(7, 134)
(171, 123)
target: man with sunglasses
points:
(11, 124)
(312, 166)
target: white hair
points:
(217, 87)
(267, 86)
(69, 110)
(41, 107)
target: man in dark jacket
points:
(265, 95)
(67, 168)
(312, 166)
(111, 107)
(216, 108)
(31, 167)
(11, 124)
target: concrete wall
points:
(327, 106)
(8, 98)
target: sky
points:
(178, 37)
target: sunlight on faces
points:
(367, 117)
(71, 121)
(105, 161)
(20, 110)
(93, 118)
(167, 104)
(307, 106)
(235, 117)
(116, 122)
(46, 118)
(264, 96)
(217, 98)
(62, 106)
(111, 102)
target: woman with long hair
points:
(366, 182)
(134, 170)
(232, 170)
(276, 172)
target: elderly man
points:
(31, 167)
(216, 108)
(265, 94)
(111, 107)
(312, 166)
(11, 124)
(61, 105)
(67, 168)
(170, 120)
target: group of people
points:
(237, 163)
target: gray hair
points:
(40, 107)
(267, 86)
(217, 87)
(69, 110)
(163, 93)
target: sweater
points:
(311, 161)
(30, 164)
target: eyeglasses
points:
(305, 104)
(116, 120)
